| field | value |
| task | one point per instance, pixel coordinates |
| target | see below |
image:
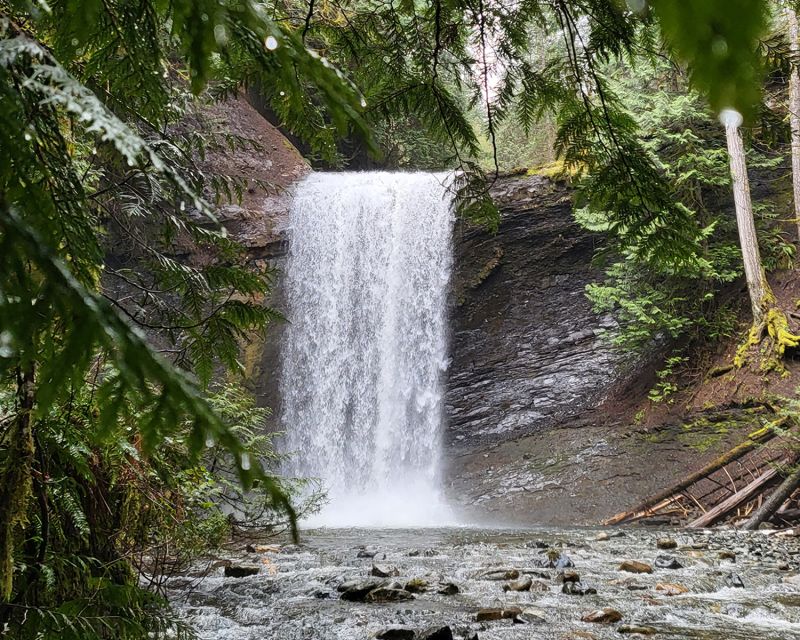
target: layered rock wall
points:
(526, 350)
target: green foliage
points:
(719, 41)
(99, 414)
(658, 301)
(666, 386)
(107, 514)
(91, 97)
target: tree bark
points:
(755, 439)
(753, 269)
(794, 108)
(774, 502)
(726, 506)
(15, 478)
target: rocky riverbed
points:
(536, 584)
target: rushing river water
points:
(366, 349)
(295, 594)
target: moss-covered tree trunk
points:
(15, 478)
(769, 321)
(757, 286)
(794, 108)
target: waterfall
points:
(366, 345)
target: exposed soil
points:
(585, 470)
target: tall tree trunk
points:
(15, 478)
(794, 108)
(760, 294)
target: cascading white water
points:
(366, 344)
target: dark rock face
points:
(241, 570)
(526, 347)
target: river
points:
(739, 586)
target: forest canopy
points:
(112, 412)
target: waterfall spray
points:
(366, 347)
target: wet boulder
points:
(496, 613)
(436, 633)
(523, 584)
(577, 589)
(568, 576)
(734, 580)
(367, 552)
(384, 571)
(667, 562)
(669, 589)
(241, 570)
(396, 633)
(531, 615)
(666, 543)
(633, 566)
(357, 590)
(388, 594)
(447, 588)
(416, 585)
(602, 616)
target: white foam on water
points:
(366, 348)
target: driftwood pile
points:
(756, 482)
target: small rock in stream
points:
(436, 633)
(563, 562)
(384, 571)
(357, 590)
(633, 566)
(241, 570)
(367, 552)
(537, 544)
(523, 584)
(530, 615)
(387, 594)
(667, 562)
(499, 574)
(416, 585)
(396, 633)
(491, 614)
(568, 576)
(447, 589)
(540, 586)
(666, 543)
(604, 536)
(632, 628)
(727, 555)
(577, 589)
(734, 580)
(669, 589)
(602, 616)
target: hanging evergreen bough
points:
(88, 93)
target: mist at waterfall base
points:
(365, 350)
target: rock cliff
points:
(526, 349)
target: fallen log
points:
(786, 514)
(726, 506)
(755, 439)
(774, 502)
